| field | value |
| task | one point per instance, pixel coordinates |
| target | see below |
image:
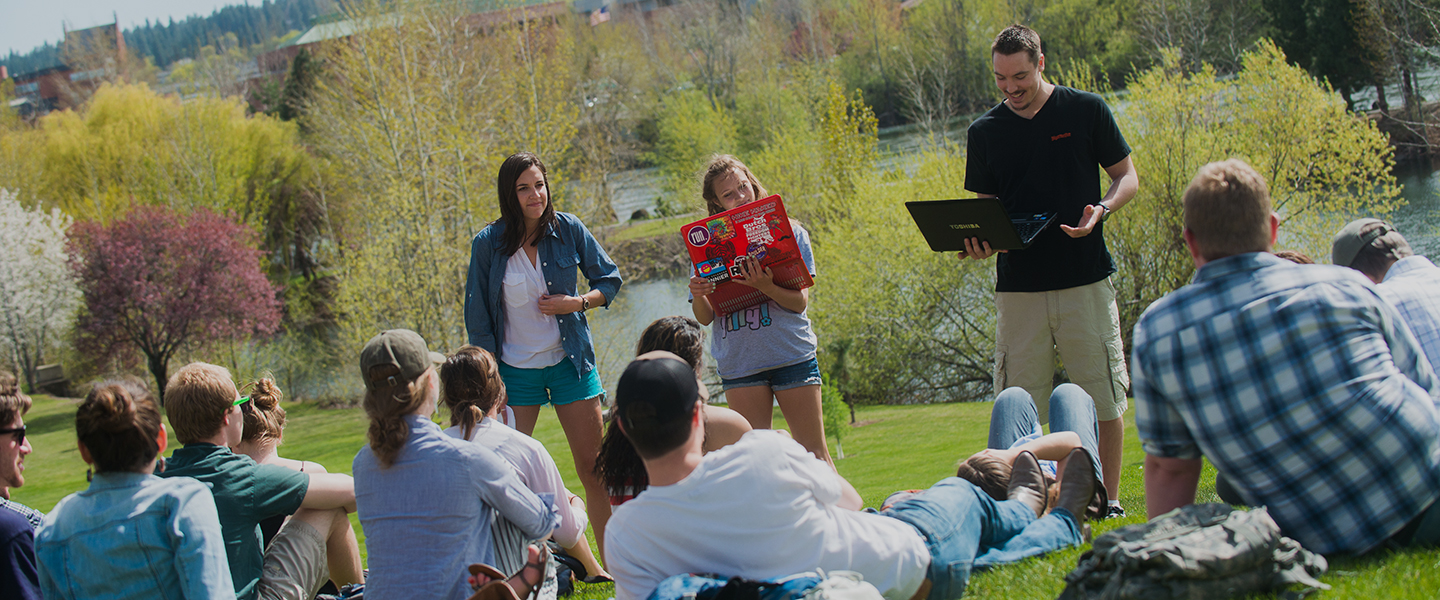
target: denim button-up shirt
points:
(565, 247)
(134, 535)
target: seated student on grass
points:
(17, 522)
(263, 433)
(426, 499)
(1015, 429)
(1299, 383)
(1408, 281)
(317, 542)
(471, 388)
(764, 507)
(131, 535)
(618, 467)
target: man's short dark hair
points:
(1017, 38)
(1375, 258)
(655, 402)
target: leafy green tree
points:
(689, 130)
(1323, 165)
(414, 115)
(299, 87)
(131, 145)
(1325, 38)
(832, 405)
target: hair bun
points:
(267, 395)
(114, 407)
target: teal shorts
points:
(556, 384)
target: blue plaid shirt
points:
(1302, 387)
(1412, 285)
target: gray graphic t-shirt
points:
(765, 336)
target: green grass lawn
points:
(650, 228)
(892, 448)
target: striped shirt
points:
(1413, 285)
(1302, 387)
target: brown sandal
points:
(498, 587)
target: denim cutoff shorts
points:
(780, 378)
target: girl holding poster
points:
(766, 351)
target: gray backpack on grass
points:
(1196, 552)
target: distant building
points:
(90, 56)
(271, 67)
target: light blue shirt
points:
(133, 535)
(1413, 285)
(427, 516)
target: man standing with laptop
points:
(1038, 151)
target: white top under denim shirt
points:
(565, 251)
(427, 516)
(134, 535)
(532, 338)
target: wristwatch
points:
(1107, 210)
(584, 303)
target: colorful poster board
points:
(759, 230)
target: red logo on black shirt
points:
(1057, 137)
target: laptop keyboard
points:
(1028, 229)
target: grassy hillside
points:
(892, 448)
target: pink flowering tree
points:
(159, 282)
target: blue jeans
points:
(960, 522)
(1071, 409)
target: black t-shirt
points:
(1048, 163)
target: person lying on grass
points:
(471, 388)
(1015, 429)
(316, 543)
(765, 507)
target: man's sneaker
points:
(1115, 512)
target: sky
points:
(25, 24)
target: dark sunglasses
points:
(19, 434)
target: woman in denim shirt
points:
(131, 534)
(522, 305)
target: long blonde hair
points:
(388, 431)
(721, 164)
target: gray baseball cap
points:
(1348, 243)
(399, 348)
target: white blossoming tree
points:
(38, 295)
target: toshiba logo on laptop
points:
(965, 226)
